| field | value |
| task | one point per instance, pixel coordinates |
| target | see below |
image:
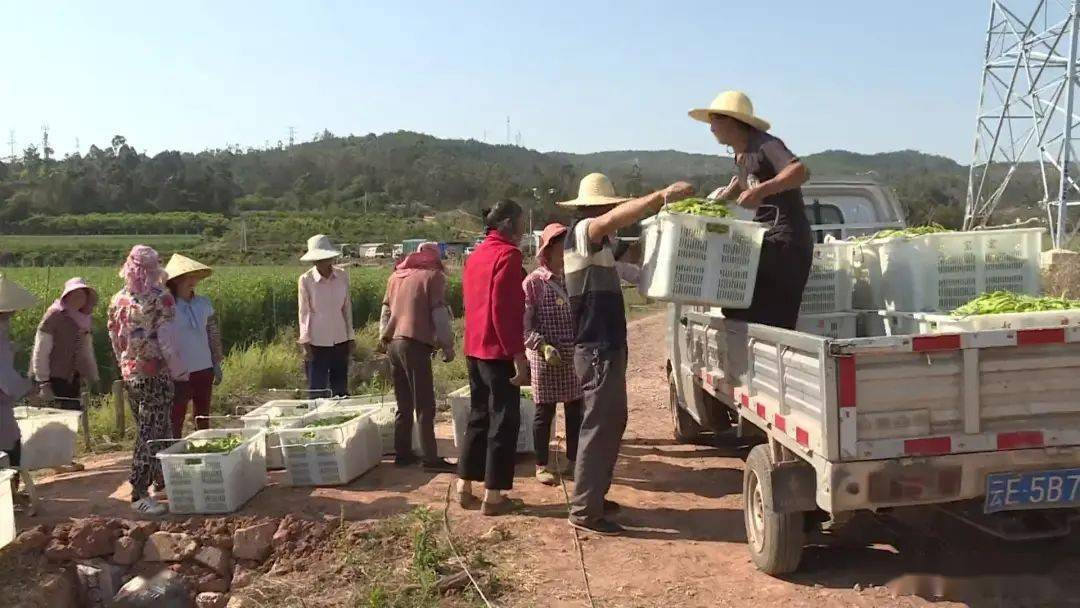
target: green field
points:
(48, 249)
(255, 305)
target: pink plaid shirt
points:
(548, 322)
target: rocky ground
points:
(365, 543)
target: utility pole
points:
(508, 130)
(45, 150)
(76, 146)
(1027, 111)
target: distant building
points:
(373, 250)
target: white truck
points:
(984, 424)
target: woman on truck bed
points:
(768, 179)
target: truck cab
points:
(846, 207)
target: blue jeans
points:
(329, 369)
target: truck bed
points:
(874, 399)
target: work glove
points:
(552, 356)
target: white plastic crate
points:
(831, 325)
(48, 436)
(384, 416)
(900, 323)
(272, 415)
(940, 272)
(7, 508)
(461, 402)
(691, 259)
(832, 279)
(214, 483)
(937, 323)
(331, 455)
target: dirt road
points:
(687, 542)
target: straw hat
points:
(13, 297)
(734, 104)
(595, 190)
(320, 248)
(550, 233)
(180, 265)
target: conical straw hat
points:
(734, 104)
(13, 297)
(180, 265)
(595, 190)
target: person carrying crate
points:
(768, 180)
(414, 322)
(593, 284)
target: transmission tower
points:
(1025, 123)
(11, 143)
(292, 136)
(46, 151)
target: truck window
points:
(824, 214)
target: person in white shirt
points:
(326, 323)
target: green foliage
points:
(701, 206)
(218, 445)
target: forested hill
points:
(404, 174)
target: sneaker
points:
(440, 465)
(406, 461)
(503, 507)
(604, 527)
(546, 477)
(148, 506)
(610, 507)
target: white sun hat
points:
(13, 297)
(180, 265)
(320, 248)
(595, 190)
(734, 104)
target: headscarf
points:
(426, 257)
(82, 319)
(142, 270)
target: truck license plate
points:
(1032, 490)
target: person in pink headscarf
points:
(63, 356)
(140, 316)
(415, 321)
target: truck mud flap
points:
(794, 489)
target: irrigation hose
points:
(453, 549)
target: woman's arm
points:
(534, 289)
(39, 360)
(213, 336)
(792, 176)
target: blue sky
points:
(868, 76)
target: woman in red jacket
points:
(495, 352)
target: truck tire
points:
(775, 539)
(685, 428)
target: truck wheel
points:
(686, 429)
(775, 539)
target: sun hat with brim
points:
(180, 265)
(77, 283)
(550, 233)
(320, 248)
(733, 104)
(595, 190)
(13, 297)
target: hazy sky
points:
(868, 76)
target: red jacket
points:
(494, 300)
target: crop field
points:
(54, 249)
(253, 304)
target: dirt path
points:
(687, 542)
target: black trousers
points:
(68, 393)
(545, 415)
(329, 369)
(494, 420)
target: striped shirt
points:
(595, 290)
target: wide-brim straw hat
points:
(13, 297)
(595, 190)
(180, 265)
(319, 247)
(734, 104)
(77, 283)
